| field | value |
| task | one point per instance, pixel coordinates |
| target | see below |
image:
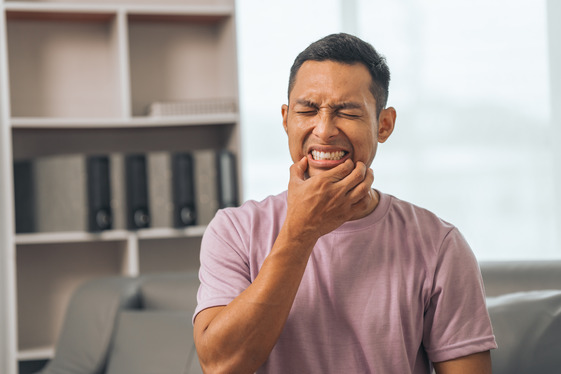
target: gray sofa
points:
(524, 302)
(143, 325)
(136, 325)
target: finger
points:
(355, 177)
(298, 169)
(369, 179)
(363, 189)
(340, 172)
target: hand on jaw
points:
(323, 202)
(240, 336)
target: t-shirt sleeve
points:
(457, 322)
(224, 271)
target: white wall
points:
(554, 33)
(474, 140)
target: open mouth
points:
(332, 156)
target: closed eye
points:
(305, 107)
(307, 112)
(349, 115)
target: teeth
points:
(327, 155)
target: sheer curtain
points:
(474, 139)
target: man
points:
(334, 276)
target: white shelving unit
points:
(77, 77)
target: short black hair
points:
(348, 49)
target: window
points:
(475, 135)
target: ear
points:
(386, 123)
(284, 110)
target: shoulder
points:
(245, 232)
(251, 213)
(413, 215)
(424, 227)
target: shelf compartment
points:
(168, 254)
(192, 13)
(57, 15)
(61, 66)
(132, 3)
(48, 274)
(180, 61)
(31, 143)
(88, 11)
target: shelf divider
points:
(39, 353)
(130, 258)
(124, 62)
(109, 235)
(117, 122)
(70, 237)
(99, 12)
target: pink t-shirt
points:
(388, 293)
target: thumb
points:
(298, 169)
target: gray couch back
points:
(503, 277)
(524, 303)
(143, 325)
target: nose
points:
(325, 126)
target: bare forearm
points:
(241, 335)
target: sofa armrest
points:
(89, 325)
(527, 326)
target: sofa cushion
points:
(153, 342)
(527, 327)
(170, 291)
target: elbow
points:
(227, 366)
(219, 352)
(214, 365)
(214, 368)
(220, 360)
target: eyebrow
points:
(338, 106)
(307, 103)
(346, 105)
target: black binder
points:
(227, 179)
(184, 209)
(138, 215)
(100, 215)
(24, 196)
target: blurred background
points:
(474, 84)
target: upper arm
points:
(456, 317)
(478, 363)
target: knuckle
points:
(363, 189)
(357, 176)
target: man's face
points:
(331, 116)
